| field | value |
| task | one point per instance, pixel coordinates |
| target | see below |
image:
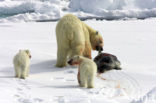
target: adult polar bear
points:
(74, 37)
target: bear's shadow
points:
(41, 67)
(5, 25)
(61, 86)
(45, 66)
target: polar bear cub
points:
(21, 63)
(86, 72)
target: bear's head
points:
(96, 41)
(75, 60)
(27, 52)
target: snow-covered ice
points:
(150, 97)
(45, 10)
(132, 41)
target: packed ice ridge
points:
(42, 10)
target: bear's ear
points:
(97, 33)
(27, 51)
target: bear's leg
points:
(83, 83)
(87, 51)
(61, 57)
(87, 54)
(17, 71)
(90, 82)
(83, 80)
(23, 72)
(27, 71)
(78, 50)
(78, 75)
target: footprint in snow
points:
(16, 95)
(69, 72)
(23, 93)
(70, 80)
(37, 100)
(58, 78)
(21, 100)
(19, 89)
(63, 79)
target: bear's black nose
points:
(99, 48)
(70, 61)
(30, 56)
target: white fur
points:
(74, 37)
(87, 70)
(21, 63)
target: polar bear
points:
(74, 37)
(21, 63)
(86, 72)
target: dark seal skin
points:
(106, 62)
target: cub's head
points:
(74, 60)
(27, 52)
(96, 41)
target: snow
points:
(131, 41)
(28, 10)
(116, 9)
(52, 10)
(150, 97)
